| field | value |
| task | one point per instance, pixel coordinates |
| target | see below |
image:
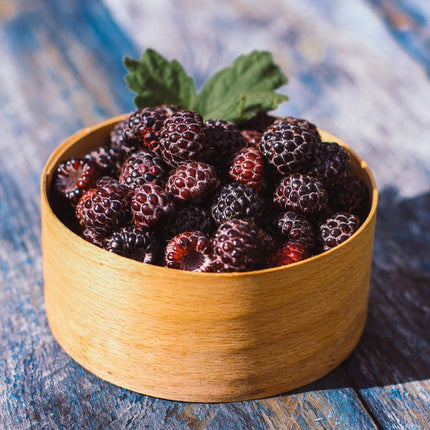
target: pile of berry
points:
(173, 190)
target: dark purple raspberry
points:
(238, 246)
(237, 201)
(108, 160)
(252, 137)
(351, 195)
(300, 193)
(302, 122)
(288, 146)
(224, 140)
(288, 253)
(192, 181)
(134, 243)
(105, 208)
(337, 228)
(188, 218)
(92, 237)
(189, 251)
(247, 168)
(297, 229)
(143, 129)
(332, 163)
(150, 204)
(141, 167)
(182, 138)
(73, 178)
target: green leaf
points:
(242, 90)
(157, 81)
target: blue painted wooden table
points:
(359, 69)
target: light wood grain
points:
(202, 337)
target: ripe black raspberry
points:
(237, 201)
(150, 204)
(105, 208)
(337, 228)
(134, 243)
(300, 193)
(224, 140)
(248, 168)
(296, 228)
(192, 181)
(332, 163)
(237, 246)
(141, 167)
(289, 146)
(108, 160)
(143, 129)
(189, 251)
(188, 218)
(302, 122)
(288, 253)
(182, 138)
(73, 178)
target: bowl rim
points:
(60, 149)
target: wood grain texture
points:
(349, 73)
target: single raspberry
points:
(248, 168)
(150, 204)
(73, 178)
(188, 217)
(337, 228)
(302, 122)
(288, 253)
(297, 229)
(105, 208)
(134, 243)
(189, 251)
(92, 237)
(351, 195)
(108, 160)
(332, 163)
(288, 146)
(141, 167)
(224, 140)
(182, 138)
(300, 193)
(237, 246)
(237, 201)
(252, 137)
(143, 129)
(192, 181)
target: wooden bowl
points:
(202, 337)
